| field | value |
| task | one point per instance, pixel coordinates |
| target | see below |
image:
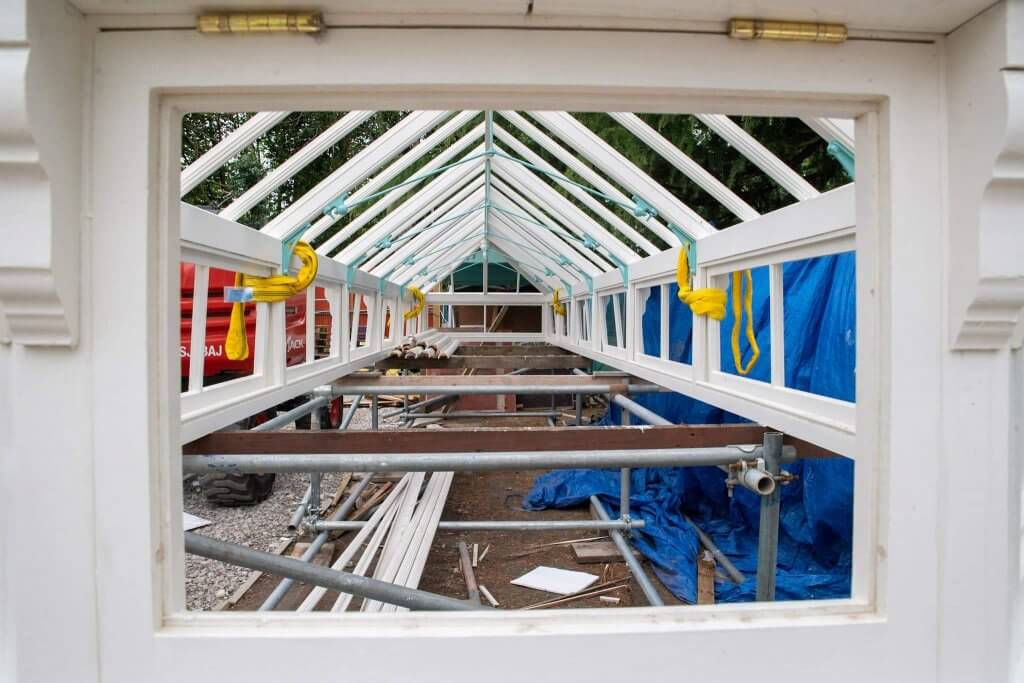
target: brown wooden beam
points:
(488, 440)
(512, 350)
(509, 381)
(547, 362)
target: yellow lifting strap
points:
(556, 304)
(711, 302)
(421, 301)
(267, 289)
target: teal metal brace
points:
(338, 208)
(288, 243)
(689, 244)
(843, 155)
(642, 209)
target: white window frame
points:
(142, 83)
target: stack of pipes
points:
(412, 341)
(430, 344)
(447, 348)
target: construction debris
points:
(598, 552)
(555, 580)
(487, 595)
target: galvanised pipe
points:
(414, 406)
(634, 408)
(768, 534)
(376, 389)
(291, 415)
(282, 588)
(735, 574)
(504, 525)
(353, 407)
(300, 511)
(470, 461)
(297, 570)
(485, 413)
(650, 592)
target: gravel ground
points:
(262, 527)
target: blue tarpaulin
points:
(817, 509)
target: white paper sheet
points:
(554, 580)
(191, 522)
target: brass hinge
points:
(260, 22)
(763, 29)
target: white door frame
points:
(143, 81)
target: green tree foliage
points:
(788, 138)
(200, 132)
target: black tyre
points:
(234, 490)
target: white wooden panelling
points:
(887, 631)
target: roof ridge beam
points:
(225, 150)
(690, 168)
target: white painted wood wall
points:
(90, 554)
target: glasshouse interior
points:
(460, 341)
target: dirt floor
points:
(490, 496)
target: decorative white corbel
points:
(41, 60)
(985, 89)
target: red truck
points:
(238, 489)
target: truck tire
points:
(330, 415)
(235, 490)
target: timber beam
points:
(491, 440)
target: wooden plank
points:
(507, 380)
(598, 552)
(323, 556)
(542, 362)
(251, 580)
(705, 578)
(490, 440)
